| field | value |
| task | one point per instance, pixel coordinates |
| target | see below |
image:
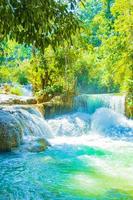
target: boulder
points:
(17, 123)
(10, 131)
(37, 145)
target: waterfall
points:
(31, 121)
(23, 125)
(101, 113)
(96, 113)
(27, 90)
(89, 103)
(103, 122)
(76, 124)
(110, 123)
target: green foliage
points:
(111, 56)
(12, 59)
(12, 53)
(115, 52)
(37, 22)
(52, 73)
(5, 73)
(16, 91)
(20, 75)
(99, 60)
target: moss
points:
(129, 105)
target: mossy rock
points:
(129, 106)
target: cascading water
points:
(104, 121)
(90, 158)
(76, 124)
(30, 120)
(89, 103)
(22, 125)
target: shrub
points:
(16, 91)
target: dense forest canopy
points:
(38, 22)
(61, 46)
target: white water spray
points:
(30, 120)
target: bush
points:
(22, 78)
(7, 88)
(16, 91)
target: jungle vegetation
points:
(67, 46)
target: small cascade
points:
(76, 124)
(110, 123)
(23, 125)
(30, 120)
(91, 154)
(104, 121)
(89, 103)
(27, 90)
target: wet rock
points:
(6, 99)
(17, 122)
(58, 105)
(10, 131)
(37, 145)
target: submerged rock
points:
(37, 145)
(17, 122)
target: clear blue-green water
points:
(90, 166)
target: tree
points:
(41, 22)
(115, 52)
(12, 59)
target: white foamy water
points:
(70, 125)
(81, 127)
(90, 158)
(30, 120)
(101, 142)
